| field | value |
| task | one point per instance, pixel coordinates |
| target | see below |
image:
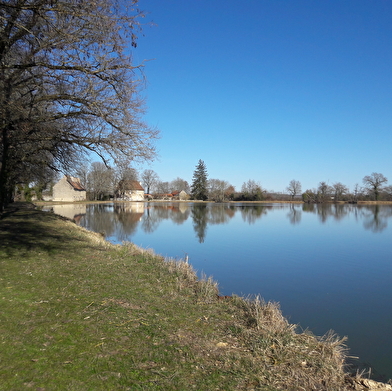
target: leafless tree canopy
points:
(100, 181)
(162, 187)
(294, 188)
(150, 179)
(374, 183)
(324, 191)
(68, 85)
(339, 190)
(180, 184)
(219, 190)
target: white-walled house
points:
(69, 188)
(183, 195)
(128, 190)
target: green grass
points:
(80, 314)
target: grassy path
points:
(78, 313)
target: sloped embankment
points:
(79, 313)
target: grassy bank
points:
(78, 313)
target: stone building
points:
(183, 195)
(69, 188)
(128, 190)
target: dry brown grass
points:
(291, 360)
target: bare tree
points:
(100, 181)
(219, 190)
(68, 86)
(339, 190)
(388, 192)
(125, 171)
(324, 192)
(149, 178)
(358, 192)
(294, 188)
(180, 185)
(82, 172)
(162, 187)
(374, 183)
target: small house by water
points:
(129, 190)
(69, 188)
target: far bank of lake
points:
(330, 266)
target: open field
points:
(78, 313)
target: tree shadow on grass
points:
(24, 229)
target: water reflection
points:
(326, 211)
(70, 211)
(376, 218)
(294, 215)
(123, 219)
(251, 213)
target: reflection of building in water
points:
(133, 207)
(71, 211)
(183, 207)
(129, 216)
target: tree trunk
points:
(5, 193)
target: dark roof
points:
(129, 185)
(75, 183)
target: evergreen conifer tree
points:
(199, 185)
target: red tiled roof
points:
(75, 183)
(130, 185)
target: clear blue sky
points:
(270, 90)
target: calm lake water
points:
(329, 266)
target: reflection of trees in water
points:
(100, 218)
(376, 217)
(220, 213)
(122, 220)
(127, 220)
(200, 220)
(204, 214)
(336, 211)
(150, 221)
(179, 217)
(339, 211)
(309, 208)
(251, 213)
(154, 214)
(176, 212)
(118, 219)
(325, 211)
(294, 214)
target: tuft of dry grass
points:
(266, 316)
(291, 360)
(206, 289)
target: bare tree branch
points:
(68, 86)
